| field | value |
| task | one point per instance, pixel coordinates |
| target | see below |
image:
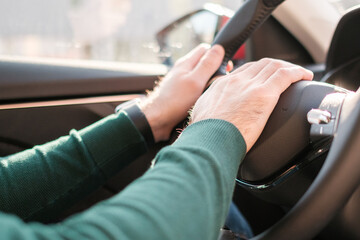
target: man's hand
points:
(247, 96)
(171, 100)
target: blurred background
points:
(106, 30)
(110, 30)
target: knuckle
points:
(282, 72)
(248, 64)
(189, 78)
(276, 64)
(192, 82)
(266, 60)
(245, 66)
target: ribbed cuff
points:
(220, 137)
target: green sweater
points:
(185, 195)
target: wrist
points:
(134, 112)
(154, 115)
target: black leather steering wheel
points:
(340, 175)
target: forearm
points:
(41, 181)
(186, 195)
(188, 192)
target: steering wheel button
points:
(317, 116)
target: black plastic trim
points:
(21, 81)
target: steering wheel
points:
(339, 176)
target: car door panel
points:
(40, 102)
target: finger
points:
(252, 70)
(270, 69)
(208, 64)
(230, 66)
(191, 59)
(243, 67)
(284, 77)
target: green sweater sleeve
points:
(185, 195)
(44, 180)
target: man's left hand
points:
(171, 100)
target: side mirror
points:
(182, 35)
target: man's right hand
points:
(248, 95)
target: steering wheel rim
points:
(340, 169)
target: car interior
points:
(301, 178)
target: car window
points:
(344, 5)
(111, 30)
